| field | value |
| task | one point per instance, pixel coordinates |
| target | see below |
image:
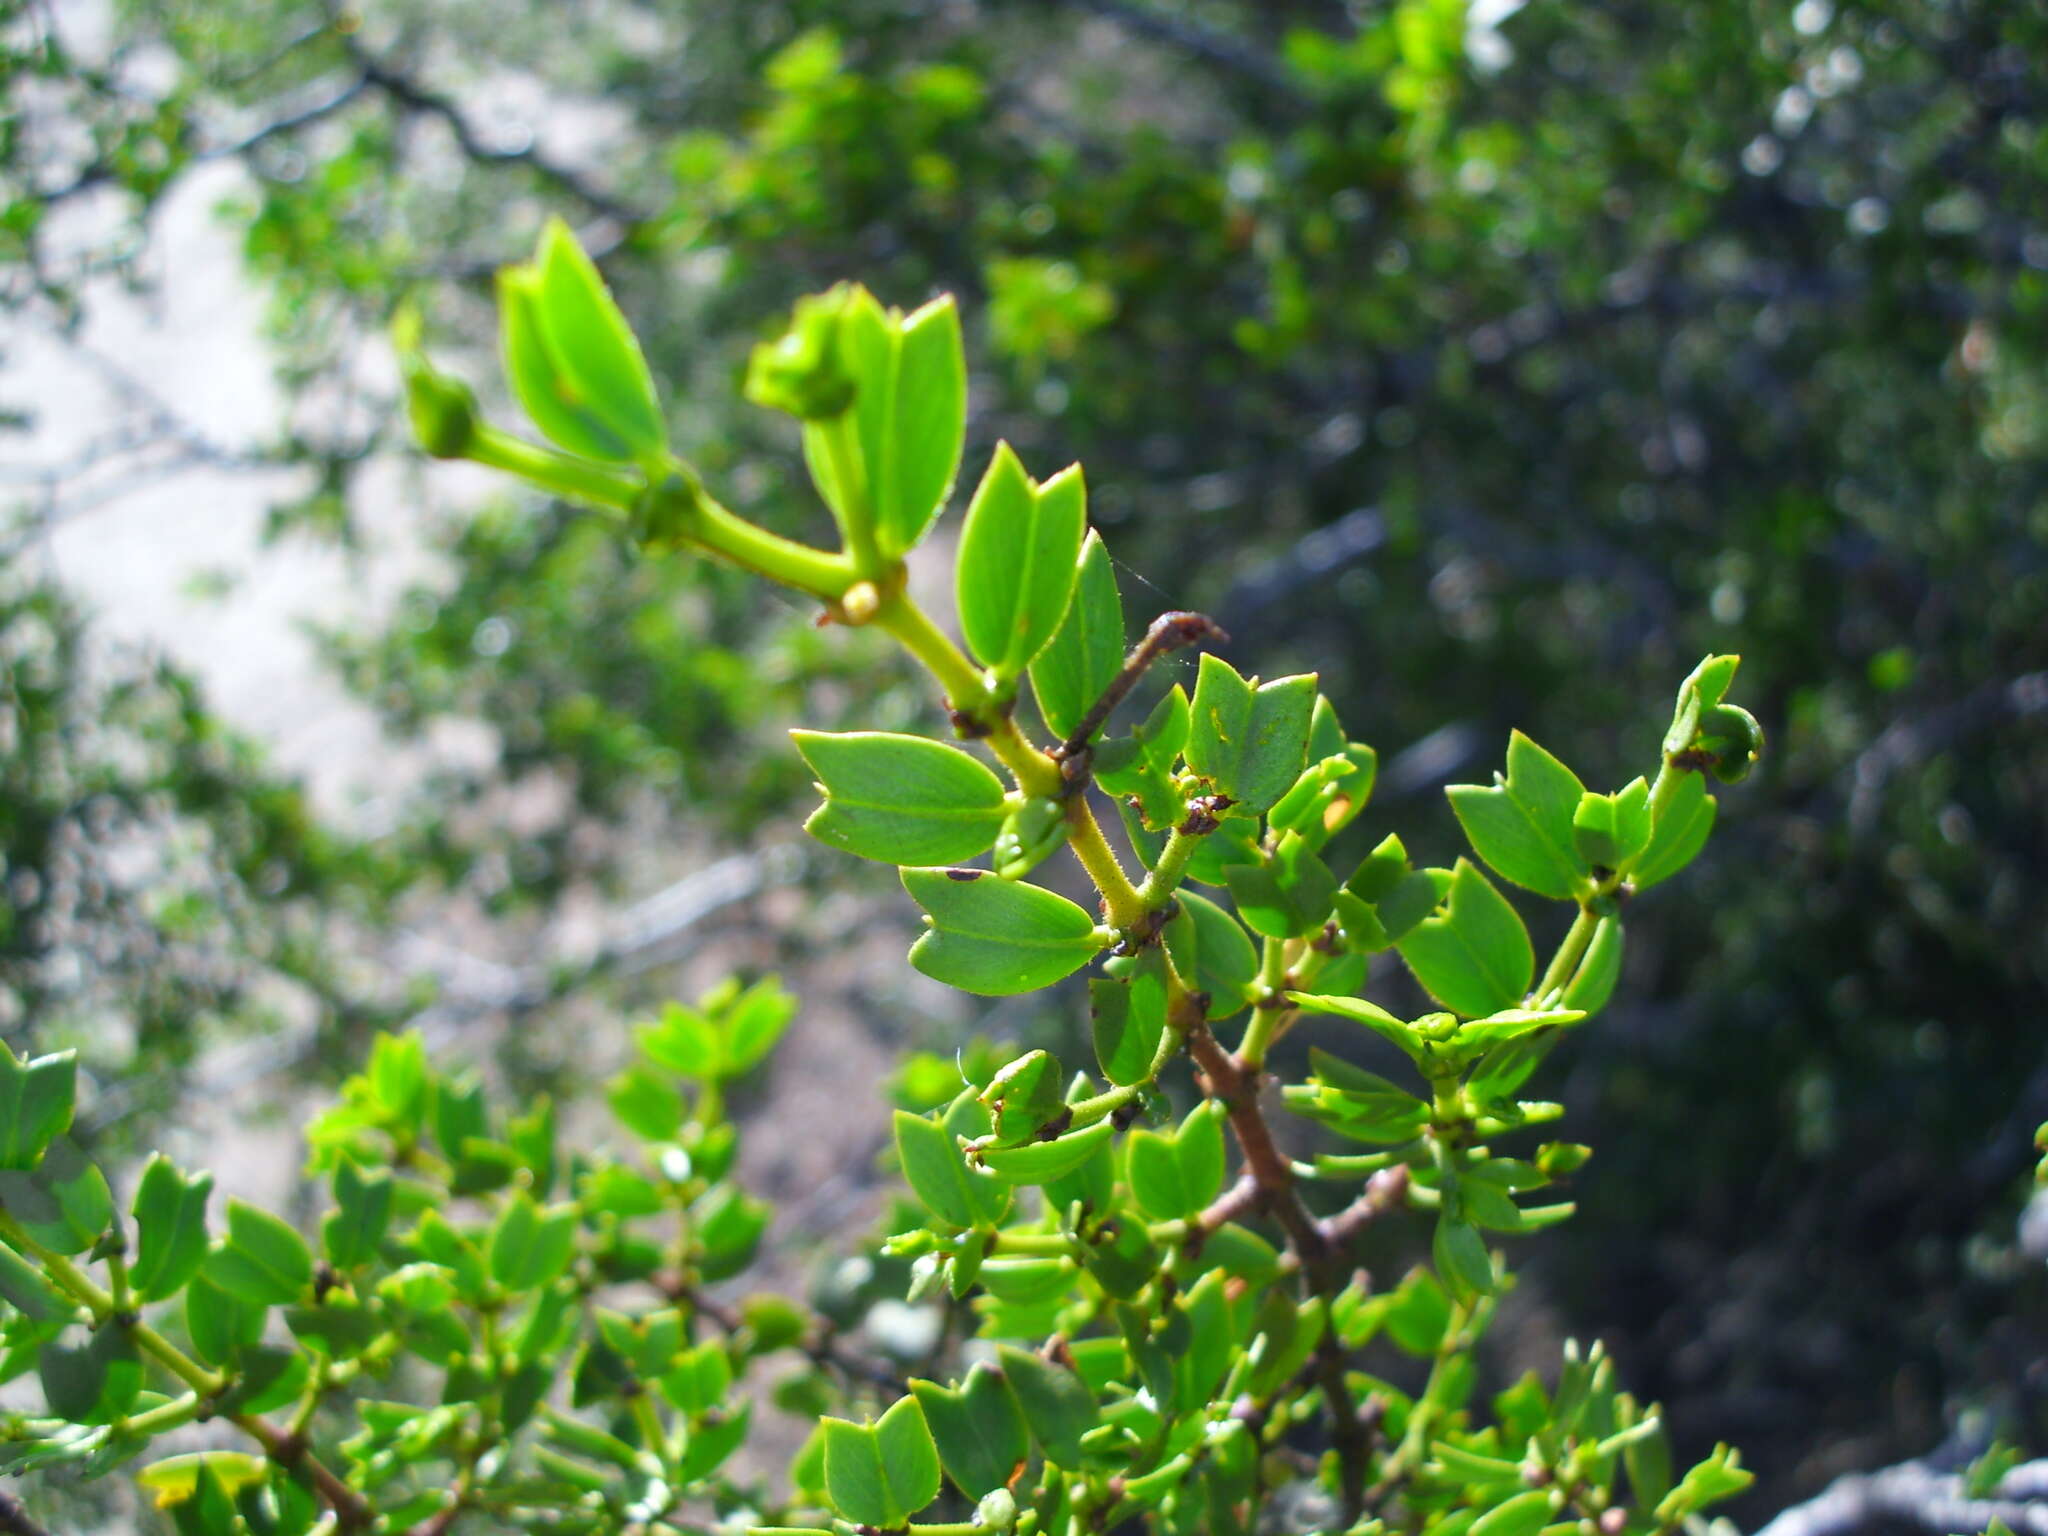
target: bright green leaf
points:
(1522, 825)
(1018, 562)
(1087, 651)
(901, 799)
(1251, 743)
(1473, 954)
(997, 937)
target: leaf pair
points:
(572, 359)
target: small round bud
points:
(861, 603)
(1732, 736)
(801, 372)
(443, 411)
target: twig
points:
(1169, 632)
(410, 94)
(1228, 1081)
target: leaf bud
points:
(443, 410)
(997, 1511)
(1732, 736)
(801, 373)
(1029, 835)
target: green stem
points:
(577, 479)
(1166, 875)
(849, 471)
(1123, 905)
(967, 694)
(1669, 778)
(649, 1423)
(1569, 954)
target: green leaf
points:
(262, 1261)
(1460, 1255)
(170, 1224)
(1371, 1015)
(1040, 1162)
(94, 1381)
(1680, 833)
(1198, 1148)
(978, 1427)
(599, 369)
(939, 1176)
(352, 1232)
(1594, 983)
(1128, 1017)
(1087, 651)
(530, 1245)
(1250, 743)
(1703, 688)
(176, 1478)
(1056, 1402)
(218, 1321)
(1523, 1515)
(646, 1105)
(1155, 1176)
(1025, 1097)
(1288, 896)
(549, 400)
(1018, 562)
(900, 799)
(997, 937)
(1472, 955)
(1522, 825)
(728, 1225)
(910, 1458)
(65, 1203)
(755, 1022)
(36, 1100)
(854, 1479)
(683, 1041)
(1211, 949)
(928, 423)
(1609, 831)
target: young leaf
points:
(928, 425)
(854, 1479)
(1251, 744)
(910, 1459)
(1590, 989)
(1371, 1015)
(996, 937)
(35, 1105)
(600, 370)
(1473, 955)
(261, 1261)
(1018, 562)
(1461, 1257)
(1128, 1016)
(1523, 1515)
(1522, 825)
(65, 1203)
(531, 1246)
(352, 1232)
(978, 1427)
(1680, 833)
(1287, 896)
(1040, 1162)
(935, 1170)
(1056, 1402)
(1213, 952)
(1155, 1176)
(900, 799)
(1087, 651)
(1610, 830)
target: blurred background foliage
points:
(1497, 361)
